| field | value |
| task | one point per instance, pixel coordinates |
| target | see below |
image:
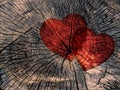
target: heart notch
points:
(71, 38)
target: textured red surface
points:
(70, 38)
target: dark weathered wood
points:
(26, 63)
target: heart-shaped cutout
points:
(70, 38)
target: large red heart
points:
(70, 38)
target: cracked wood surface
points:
(27, 64)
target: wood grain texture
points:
(27, 64)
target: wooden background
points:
(26, 63)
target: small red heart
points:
(70, 38)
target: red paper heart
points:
(71, 38)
